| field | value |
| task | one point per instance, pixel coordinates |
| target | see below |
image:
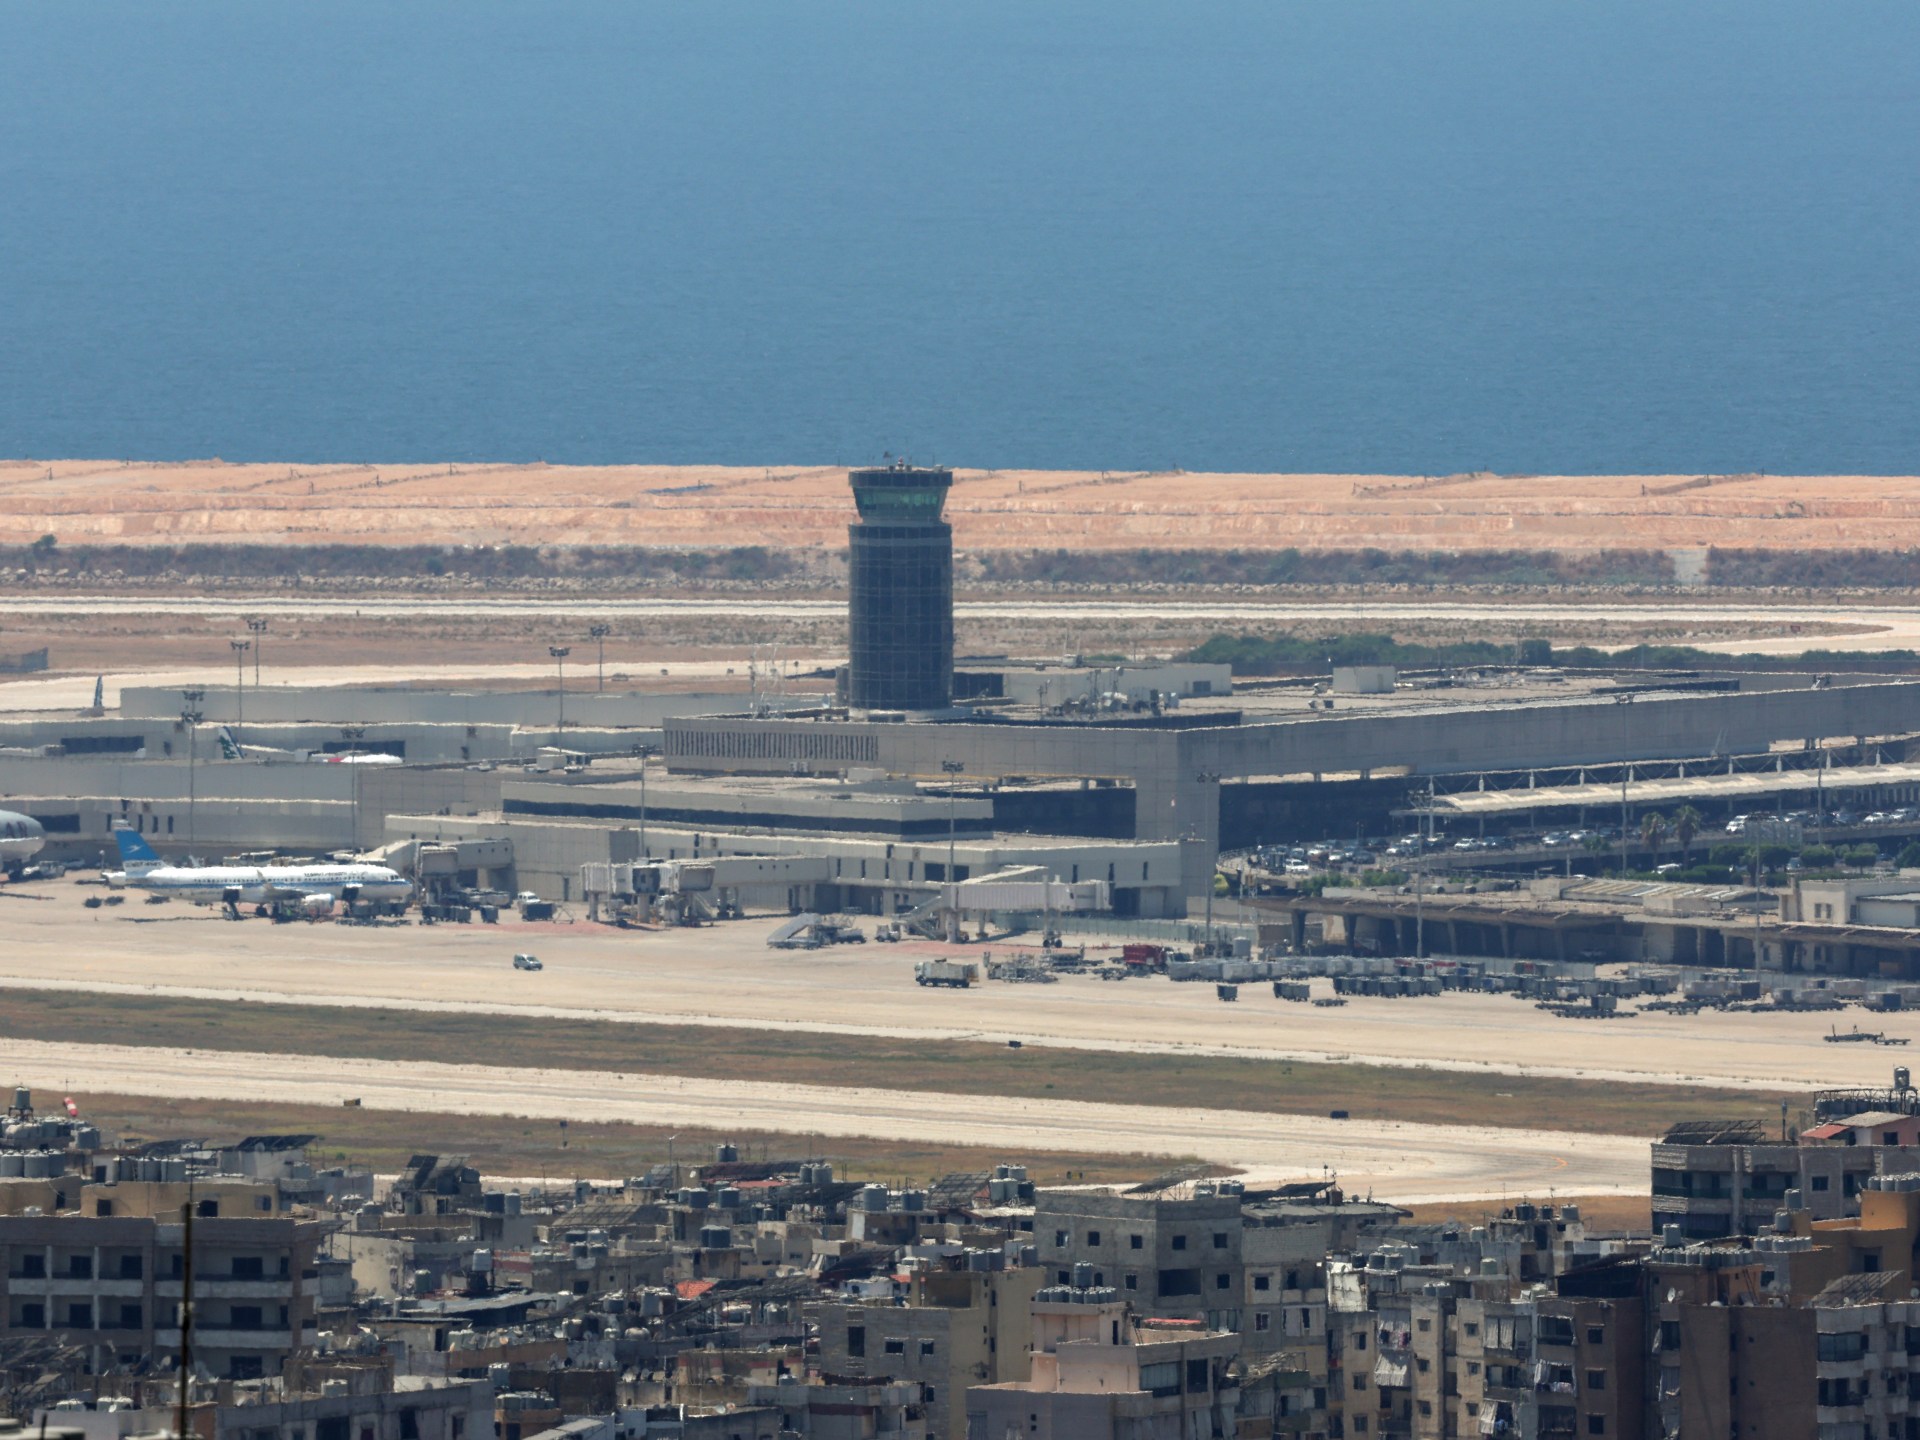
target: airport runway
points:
(1404, 1163)
(724, 975)
(1897, 626)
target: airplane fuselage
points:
(263, 884)
(21, 838)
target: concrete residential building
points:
(1100, 1374)
(960, 1328)
(112, 1283)
(1712, 1178)
(1166, 1256)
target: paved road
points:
(1407, 1163)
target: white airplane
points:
(311, 889)
(21, 838)
(232, 749)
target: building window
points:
(1359, 1424)
(1219, 1240)
(926, 1347)
(1133, 1282)
(208, 1210)
(1060, 1239)
(1819, 1182)
(1179, 1242)
(1263, 1282)
(1596, 1424)
(1066, 1277)
(857, 1341)
(1093, 1237)
(895, 1346)
(1423, 1325)
(1134, 1242)
(103, 1207)
(1222, 1281)
(1596, 1379)
(1260, 1321)
(33, 1265)
(1596, 1335)
(1472, 1328)
(409, 1424)
(1359, 1338)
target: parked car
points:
(527, 962)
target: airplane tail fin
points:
(136, 855)
(99, 692)
(229, 747)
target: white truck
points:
(953, 973)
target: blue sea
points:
(1525, 235)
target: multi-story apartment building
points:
(1713, 1179)
(1099, 1373)
(113, 1284)
(959, 1328)
(1179, 1257)
(1592, 1335)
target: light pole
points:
(353, 735)
(643, 800)
(1211, 777)
(953, 767)
(240, 648)
(559, 654)
(259, 628)
(599, 633)
(1625, 771)
(190, 716)
(1420, 874)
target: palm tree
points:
(1686, 825)
(1653, 829)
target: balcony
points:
(214, 1337)
(225, 1287)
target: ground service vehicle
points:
(953, 973)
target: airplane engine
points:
(316, 904)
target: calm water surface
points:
(1238, 234)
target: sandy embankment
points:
(138, 503)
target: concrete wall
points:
(548, 855)
(238, 805)
(165, 738)
(612, 709)
(1176, 773)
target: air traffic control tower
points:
(900, 612)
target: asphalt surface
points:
(1405, 1163)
